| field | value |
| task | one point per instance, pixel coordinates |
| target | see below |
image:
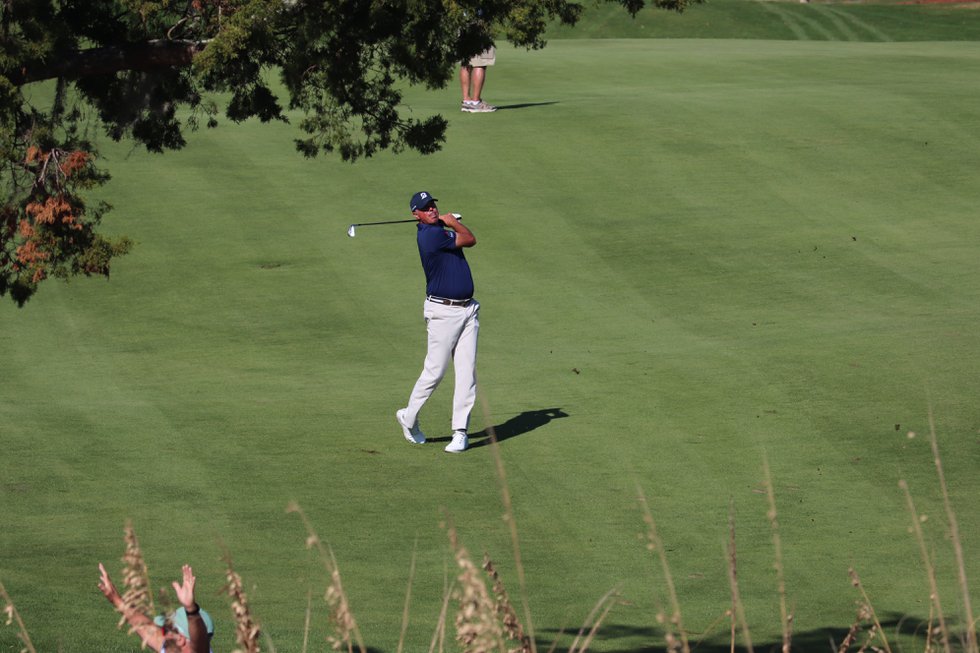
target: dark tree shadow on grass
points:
(619, 638)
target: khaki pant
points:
(452, 335)
(485, 58)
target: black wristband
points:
(196, 610)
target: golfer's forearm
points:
(464, 237)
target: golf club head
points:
(350, 231)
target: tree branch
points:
(152, 55)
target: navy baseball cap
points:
(421, 199)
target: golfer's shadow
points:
(517, 425)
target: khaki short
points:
(485, 58)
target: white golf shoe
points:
(459, 443)
(412, 433)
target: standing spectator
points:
(472, 75)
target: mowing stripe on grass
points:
(789, 20)
(802, 13)
(875, 33)
(840, 25)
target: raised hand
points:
(185, 589)
(107, 588)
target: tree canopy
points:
(149, 70)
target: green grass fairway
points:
(701, 252)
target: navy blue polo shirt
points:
(447, 274)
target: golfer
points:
(452, 319)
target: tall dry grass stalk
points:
(737, 608)
(866, 612)
(247, 629)
(785, 617)
(408, 598)
(439, 635)
(477, 627)
(934, 602)
(513, 630)
(853, 631)
(596, 617)
(487, 622)
(341, 618)
(674, 620)
(954, 533)
(511, 523)
(308, 619)
(14, 617)
(137, 597)
(344, 631)
(561, 633)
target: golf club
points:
(351, 229)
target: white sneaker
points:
(412, 433)
(459, 443)
(483, 107)
(477, 107)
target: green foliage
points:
(145, 71)
(51, 231)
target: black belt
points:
(448, 302)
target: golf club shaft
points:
(365, 224)
(351, 230)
